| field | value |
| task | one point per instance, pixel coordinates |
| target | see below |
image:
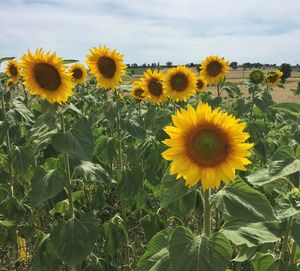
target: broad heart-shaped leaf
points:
(78, 142)
(22, 158)
(198, 253)
(239, 200)
(20, 110)
(156, 257)
(171, 189)
(262, 261)
(241, 232)
(46, 184)
(45, 258)
(290, 108)
(91, 172)
(134, 127)
(74, 239)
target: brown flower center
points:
(47, 76)
(179, 82)
(155, 87)
(272, 78)
(200, 84)
(214, 68)
(139, 92)
(77, 73)
(13, 70)
(207, 146)
(107, 66)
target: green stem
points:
(206, 216)
(286, 239)
(293, 253)
(218, 90)
(9, 149)
(68, 172)
(252, 105)
(174, 107)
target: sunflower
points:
(78, 72)
(45, 75)
(201, 84)
(12, 70)
(107, 66)
(256, 76)
(214, 69)
(137, 90)
(154, 86)
(180, 83)
(273, 77)
(206, 146)
(9, 84)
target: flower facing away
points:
(201, 84)
(137, 91)
(214, 69)
(273, 77)
(45, 75)
(256, 76)
(206, 146)
(154, 86)
(78, 73)
(107, 66)
(180, 83)
(12, 70)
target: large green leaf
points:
(78, 142)
(295, 230)
(20, 110)
(12, 209)
(21, 158)
(198, 253)
(253, 234)
(262, 261)
(290, 108)
(73, 240)
(156, 257)
(171, 189)
(46, 184)
(239, 200)
(134, 127)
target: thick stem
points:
(293, 253)
(8, 146)
(286, 239)
(68, 172)
(206, 216)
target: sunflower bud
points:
(256, 76)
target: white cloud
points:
(157, 30)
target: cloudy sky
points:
(149, 31)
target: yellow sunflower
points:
(180, 83)
(45, 75)
(206, 146)
(78, 73)
(214, 69)
(273, 77)
(107, 66)
(12, 70)
(137, 90)
(154, 86)
(201, 84)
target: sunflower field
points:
(102, 169)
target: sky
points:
(148, 31)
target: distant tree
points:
(192, 64)
(144, 65)
(134, 65)
(233, 65)
(169, 64)
(247, 65)
(257, 65)
(158, 64)
(153, 65)
(287, 71)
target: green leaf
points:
(22, 158)
(73, 240)
(152, 223)
(114, 234)
(198, 253)
(45, 259)
(46, 184)
(3, 59)
(12, 209)
(156, 256)
(247, 253)
(3, 130)
(253, 234)
(69, 61)
(239, 200)
(171, 189)
(295, 230)
(290, 108)
(78, 143)
(262, 261)
(134, 127)
(19, 109)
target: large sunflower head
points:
(180, 83)
(78, 73)
(206, 146)
(201, 84)
(137, 90)
(273, 77)
(214, 69)
(256, 76)
(12, 70)
(107, 66)
(45, 75)
(154, 86)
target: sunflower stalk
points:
(207, 213)
(9, 149)
(68, 172)
(252, 105)
(293, 253)
(285, 242)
